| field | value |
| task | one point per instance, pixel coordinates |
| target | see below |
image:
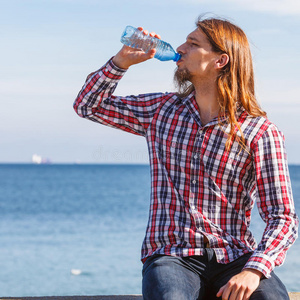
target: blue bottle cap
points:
(177, 57)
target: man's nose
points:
(180, 49)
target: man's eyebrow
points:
(192, 39)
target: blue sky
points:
(49, 47)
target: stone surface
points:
(293, 296)
(119, 297)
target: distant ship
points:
(37, 159)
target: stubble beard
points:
(182, 79)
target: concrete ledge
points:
(120, 297)
(293, 296)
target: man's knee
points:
(270, 289)
(166, 278)
(268, 295)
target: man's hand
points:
(240, 286)
(128, 56)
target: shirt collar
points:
(192, 106)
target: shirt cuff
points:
(115, 68)
(260, 262)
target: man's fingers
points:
(153, 34)
(145, 32)
(229, 293)
(152, 52)
(220, 292)
(247, 294)
(240, 295)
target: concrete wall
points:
(293, 296)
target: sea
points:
(77, 229)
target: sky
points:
(48, 47)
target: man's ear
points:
(222, 61)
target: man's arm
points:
(96, 101)
(276, 207)
(274, 201)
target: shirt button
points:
(194, 181)
(195, 156)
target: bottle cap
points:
(177, 57)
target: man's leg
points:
(268, 289)
(170, 278)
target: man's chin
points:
(182, 77)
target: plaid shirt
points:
(198, 188)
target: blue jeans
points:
(199, 277)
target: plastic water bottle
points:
(135, 38)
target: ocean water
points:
(60, 220)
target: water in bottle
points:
(135, 38)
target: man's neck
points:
(206, 97)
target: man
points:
(213, 153)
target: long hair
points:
(235, 82)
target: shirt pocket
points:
(220, 163)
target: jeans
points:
(200, 277)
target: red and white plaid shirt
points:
(198, 188)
